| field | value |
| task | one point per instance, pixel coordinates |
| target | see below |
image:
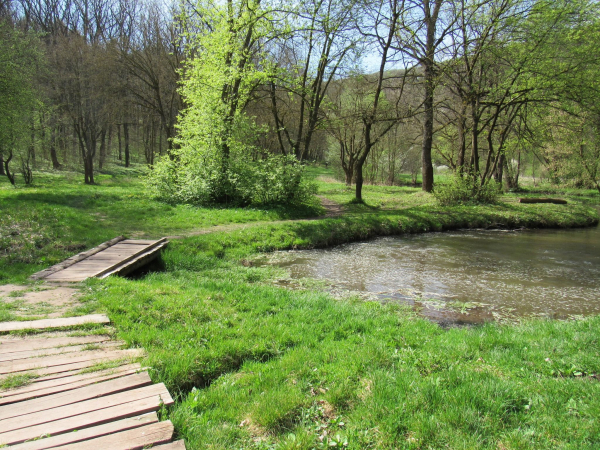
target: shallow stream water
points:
(468, 276)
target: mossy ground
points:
(256, 366)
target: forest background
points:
(223, 100)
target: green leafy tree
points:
(19, 61)
(217, 159)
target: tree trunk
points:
(126, 136)
(349, 172)
(462, 140)
(31, 151)
(53, 156)
(358, 179)
(2, 164)
(102, 155)
(427, 165)
(119, 138)
(499, 172)
(11, 176)
(474, 140)
(510, 181)
(109, 143)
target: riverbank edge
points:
(322, 233)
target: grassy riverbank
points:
(59, 216)
(256, 366)
(260, 367)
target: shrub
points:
(465, 190)
(266, 181)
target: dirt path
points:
(332, 210)
(39, 301)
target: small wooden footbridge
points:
(67, 390)
(118, 256)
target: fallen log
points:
(556, 201)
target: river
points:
(467, 277)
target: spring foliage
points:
(465, 190)
(216, 160)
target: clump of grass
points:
(16, 381)
(84, 329)
(98, 330)
(88, 347)
(107, 365)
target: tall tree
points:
(426, 24)
(321, 41)
(382, 112)
(19, 60)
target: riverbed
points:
(466, 277)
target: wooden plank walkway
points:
(71, 400)
(53, 323)
(117, 256)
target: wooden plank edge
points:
(89, 433)
(147, 436)
(151, 249)
(63, 384)
(31, 344)
(176, 445)
(75, 259)
(62, 322)
(29, 354)
(123, 268)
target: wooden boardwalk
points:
(117, 256)
(78, 392)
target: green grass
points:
(256, 366)
(59, 216)
(259, 367)
(16, 381)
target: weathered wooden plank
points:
(112, 259)
(136, 262)
(15, 356)
(90, 265)
(66, 279)
(75, 259)
(27, 344)
(93, 418)
(68, 369)
(150, 249)
(76, 395)
(140, 241)
(177, 445)
(47, 362)
(31, 421)
(63, 384)
(54, 323)
(136, 439)
(88, 433)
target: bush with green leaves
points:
(268, 180)
(464, 190)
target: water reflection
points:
(470, 276)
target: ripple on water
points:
(553, 273)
